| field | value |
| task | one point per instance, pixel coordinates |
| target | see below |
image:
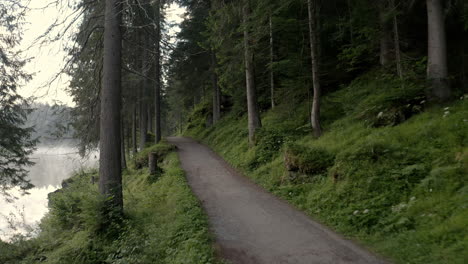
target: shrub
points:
(311, 161)
(76, 206)
(199, 116)
(268, 143)
(163, 223)
(161, 149)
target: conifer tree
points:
(110, 177)
(16, 143)
(253, 114)
(437, 68)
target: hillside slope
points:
(388, 171)
(251, 226)
(163, 223)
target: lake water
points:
(53, 165)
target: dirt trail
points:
(253, 226)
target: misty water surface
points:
(53, 165)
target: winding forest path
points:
(253, 226)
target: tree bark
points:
(122, 145)
(216, 91)
(396, 39)
(314, 43)
(157, 88)
(351, 28)
(254, 121)
(437, 71)
(143, 112)
(147, 86)
(150, 113)
(128, 138)
(272, 59)
(134, 130)
(110, 177)
(463, 63)
(152, 163)
(143, 116)
(385, 35)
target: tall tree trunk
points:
(216, 91)
(147, 85)
(157, 88)
(150, 113)
(314, 43)
(128, 138)
(202, 97)
(254, 121)
(385, 35)
(134, 130)
(437, 71)
(272, 59)
(122, 145)
(396, 39)
(143, 116)
(463, 63)
(110, 177)
(144, 88)
(351, 28)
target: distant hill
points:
(51, 123)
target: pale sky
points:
(49, 59)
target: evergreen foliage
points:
(350, 33)
(16, 143)
(85, 71)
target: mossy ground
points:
(397, 179)
(163, 223)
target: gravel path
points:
(253, 226)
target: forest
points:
(50, 123)
(352, 112)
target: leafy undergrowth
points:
(387, 172)
(163, 224)
(161, 150)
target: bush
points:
(199, 117)
(268, 143)
(311, 161)
(161, 149)
(77, 205)
(163, 223)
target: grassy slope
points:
(164, 224)
(401, 190)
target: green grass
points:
(161, 150)
(397, 177)
(163, 223)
